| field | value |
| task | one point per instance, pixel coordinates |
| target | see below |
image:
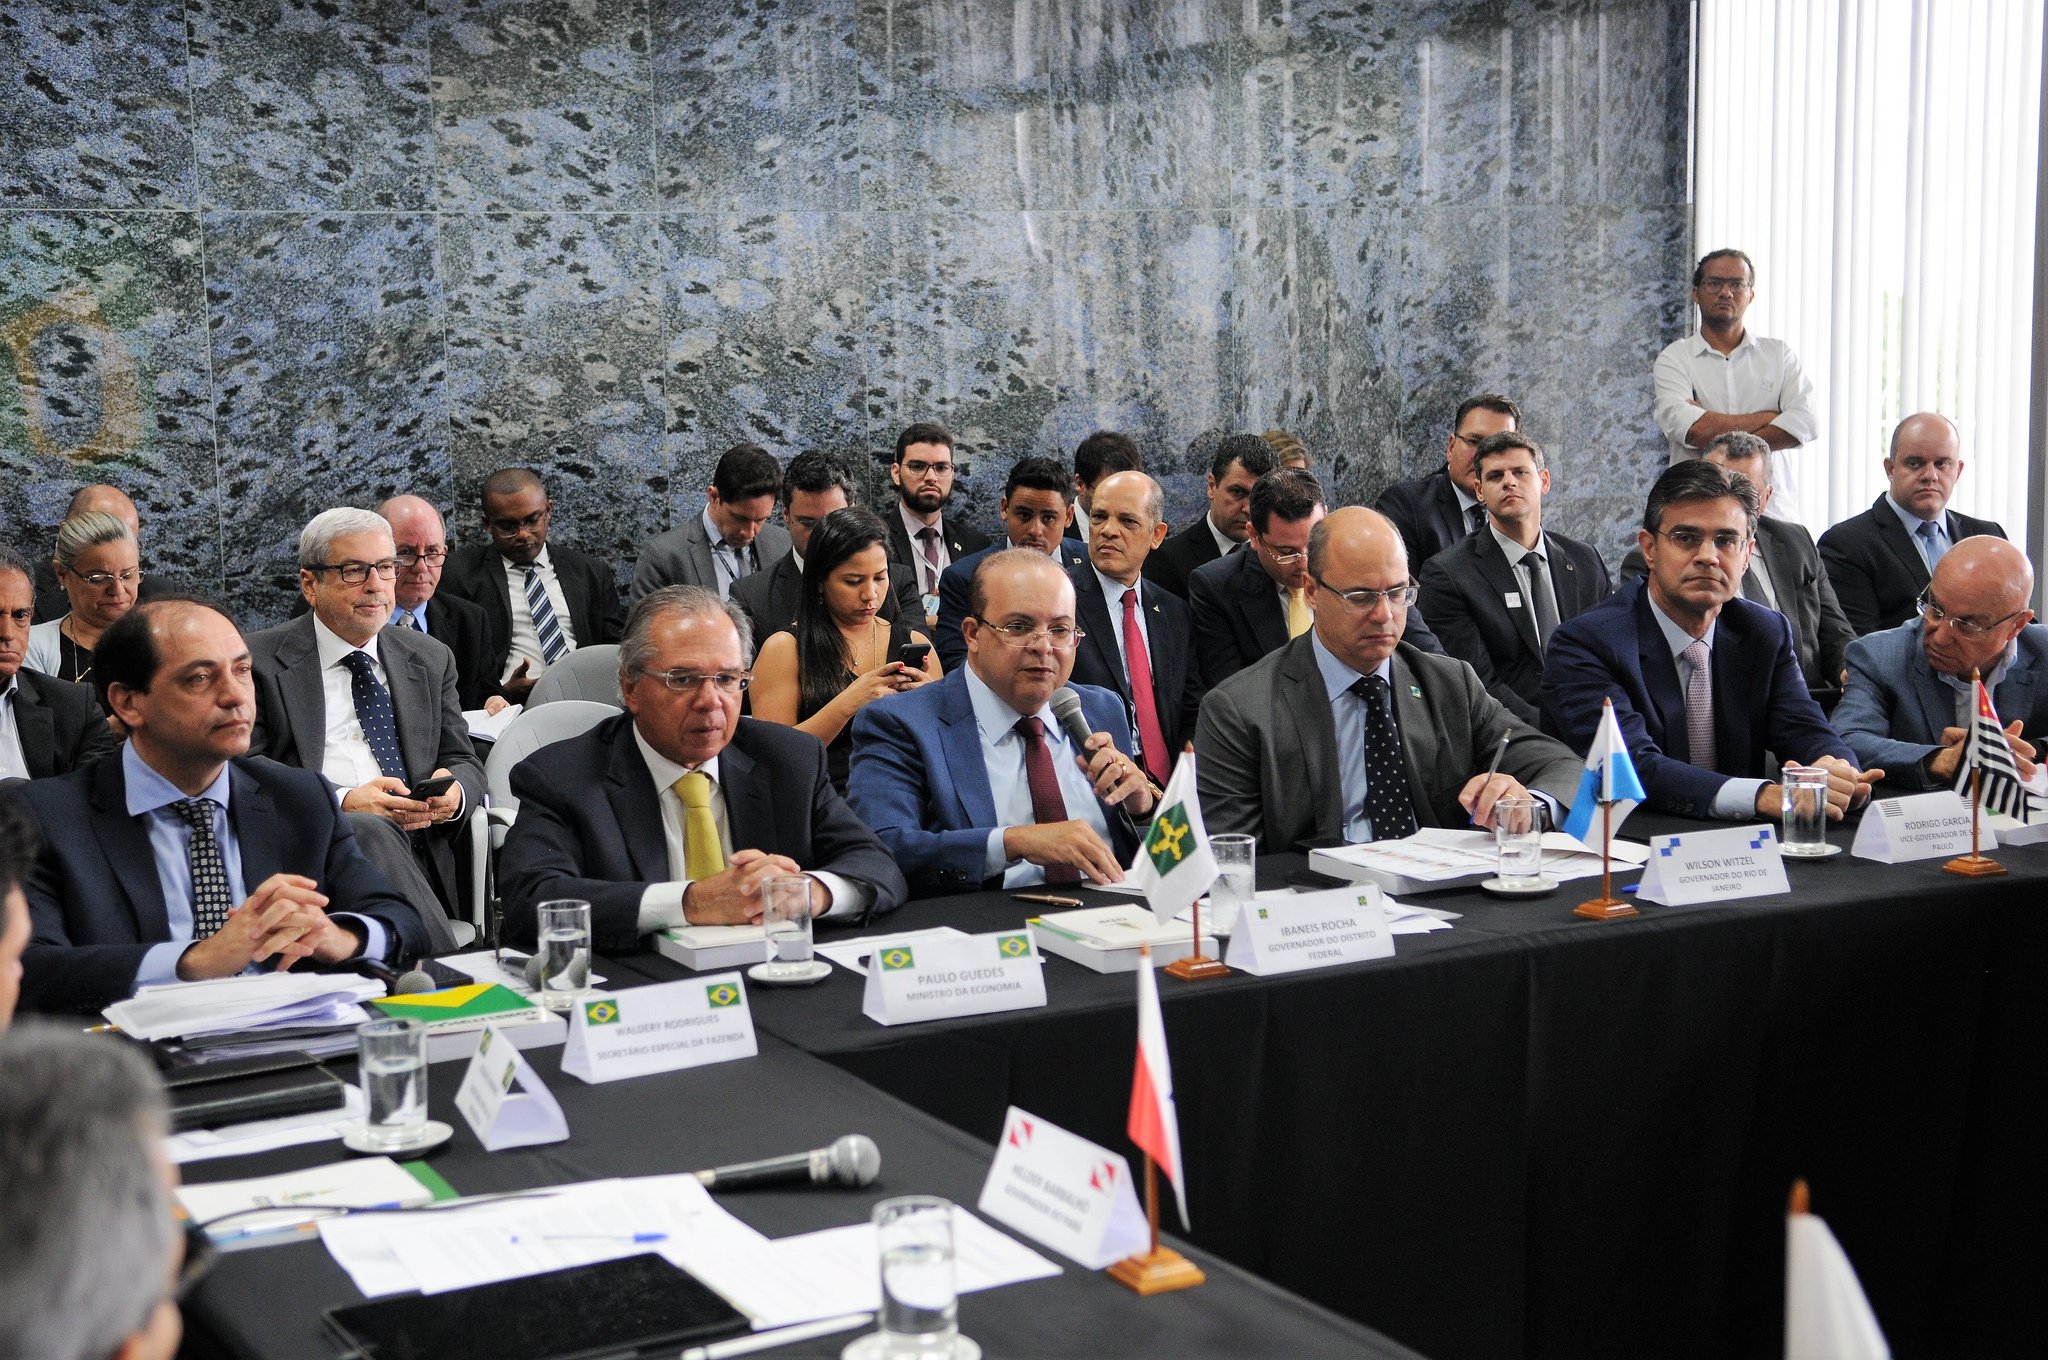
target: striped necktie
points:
(553, 647)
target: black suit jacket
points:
(1169, 629)
(589, 825)
(1875, 569)
(1173, 562)
(1426, 511)
(95, 903)
(61, 726)
(769, 596)
(460, 625)
(596, 611)
(1465, 590)
(961, 540)
(1239, 618)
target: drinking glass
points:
(786, 920)
(391, 1062)
(1518, 837)
(1236, 866)
(1806, 812)
(564, 953)
(920, 1302)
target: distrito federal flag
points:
(1610, 777)
(1987, 751)
(1827, 1316)
(1174, 865)
(1154, 1124)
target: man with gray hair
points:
(678, 809)
(90, 1255)
(374, 709)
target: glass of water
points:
(786, 919)
(391, 1061)
(1806, 811)
(564, 953)
(1518, 838)
(1236, 871)
(920, 1300)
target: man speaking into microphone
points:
(976, 780)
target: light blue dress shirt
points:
(1932, 551)
(1736, 799)
(1347, 711)
(1002, 755)
(399, 615)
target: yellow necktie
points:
(1298, 617)
(703, 856)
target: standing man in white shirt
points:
(1723, 378)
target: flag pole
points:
(1605, 907)
(1159, 1270)
(1974, 864)
(1152, 1201)
(1196, 965)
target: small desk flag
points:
(1610, 777)
(1987, 750)
(1827, 1316)
(1154, 1124)
(1173, 865)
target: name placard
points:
(1922, 826)
(1714, 866)
(968, 975)
(499, 1117)
(662, 1028)
(1064, 1192)
(1311, 930)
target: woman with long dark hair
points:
(841, 655)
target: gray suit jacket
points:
(682, 557)
(1267, 744)
(1894, 707)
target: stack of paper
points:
(263, 1001)
(1436, 858)
(262, 1135)
(706, 949)
(1107, 938)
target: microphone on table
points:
(409, 983)
(1066, 706)
(851, 1160)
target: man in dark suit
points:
(1102, 454)
(1347, 733)
(674, 812)
(1909, 702)
(1239, 461)
(1036, 512)
(1704, 683)
(814, 485)
(1496, 596)
(181, 860)
(421, 540)
(972, 781)
(1440, 508)
(1880, 560)
(921, 535)
(47, 726)
(542, 601)
(1784, 573)
(731, 539)
(1138, 638)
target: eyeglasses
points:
(1366, 598)
(1729, 286)
(100, 580)
(917, 467)
(1018, 633)
(509, 527)
(355, 573)
(1967, 627)
(1286, 557)
(690, 682)
(433, 557)
(1726, 543)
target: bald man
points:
(1349, 733)
(1908, 704)
(51, 601)
(1880, 561)
(422, 543)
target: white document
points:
(1447, 857)
(364, 1183)
(491, 726)
(843, 1266)
(177, 1010)
(1714, 866)
(264, 1135)
(1313, 930)
(854, 954)
(663, 1028)
(973, 975)
(1064, 1192)
(498, 1116)
(1923, 826)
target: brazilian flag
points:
(721, 995)
(1013, 946)
(601, 1012)
(896, 958)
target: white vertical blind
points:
(1878, 160)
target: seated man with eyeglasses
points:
(1909, 700)
(421, 539)
(1704, 682)
(972, 781)
(675, 811)
(1350, 732)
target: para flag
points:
(1154, 1123)
(1174, 865)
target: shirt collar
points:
(1515, 552)
(148, 791)
(1676, 638)
(1225, 544)
(797, 558)
(913, 526)
(712, 535)
(1700, 346)
(333, 647)
(1991, 677)
(666, 772)
(1913, 521)
(1466, 500)
(540, 560)
(13, 683)
(1113, 591)
(995, 717)
(1338, 677)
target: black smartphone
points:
(912, 654)
(432, 788)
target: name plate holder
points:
(1311, 930)
(1714, 866)
(662, 1028)
(1922, 826)
(1063, 1192)
(933, 979)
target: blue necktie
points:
(552, 647)
(373, 711)
(1933, 543)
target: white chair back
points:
(531, 730)
(586, 673)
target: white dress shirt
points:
(346, 758)
(1735, 800)
(1760, 374)
(1225, 544)
(1534, 579)
(525, 641)
(1002, 755)
(13, 760)
(927, 576)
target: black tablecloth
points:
(266, 1303)
(1535, 1135)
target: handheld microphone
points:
(1066, 706)
(409, 983)
(851, 1160)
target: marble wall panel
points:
(93, 109)
(308, 106)
(554, 357)
(103, 377)
(330, 380)
(543, 105)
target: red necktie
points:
(1048, 804)
(1138, 666)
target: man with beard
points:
(921, 537)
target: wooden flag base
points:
(1194, 968)
(1160, 1271)
(1974, 866)
(1604, 909)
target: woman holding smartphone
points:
(841, 654)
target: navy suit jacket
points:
(919, 780)
(1895, 706)
(960, 540)
(954, 583)
(1426, 511)
(589, 825)
(61, 726)
(1173, 563)
(1466, 587)
(1169, 627)
(1761, 702)
(94, 901)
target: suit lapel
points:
(36, 727)
(697, 545)
(967, 772)
(125, 842)
(1450, 511)
(1103, 629)
(1660, 680)
(1938, 703)
(1735, 652)
(637, 806)
(1894, 536)
(1501, 576)
(749, 809)
(254, 816)
(304, 693)
(1571, 586)
(1303, 705)
(1262, 607)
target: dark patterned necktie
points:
(553, 647)
(211, 900)
(1387, 804)
(373, 711)
(1475, 518)
(1048, 804)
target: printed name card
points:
(1311, 930)
(497, 1116)
(1064, 1192)
(1923, 826)
(1714, 866)
(931, 979)
(659, 1029)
